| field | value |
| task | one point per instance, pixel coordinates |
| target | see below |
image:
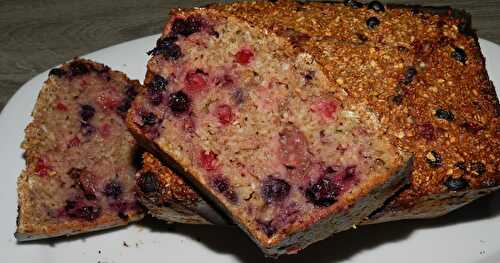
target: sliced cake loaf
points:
(420, 69)
(258, 128)
(79, 175)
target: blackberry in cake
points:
(258, 128)
(79, 174)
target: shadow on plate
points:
(342, 246)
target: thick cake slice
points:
(256, 125)
(420, 69)
(79, 175)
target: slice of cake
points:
(79, 174)
(257, 126)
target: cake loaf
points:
(79, 175)
(256, 125)
(422, 71)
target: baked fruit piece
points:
(79, 175)
(259, 129)
(420, 69)
(169, 197)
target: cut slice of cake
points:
(79, 174)
(257, 126)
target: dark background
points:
(36, 35)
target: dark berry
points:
(70, 205)
(186, 27)
(426, 131)
(86, 128)
(113, 189)
(149, 119)
(167, 48)
(87, 112)
(409, 75)
(456, 184)
(472, 127)
(445, 115)
(57, 72)
(433, 159)
(459, 55)
(323, 193)
(376, 6)
(267, 227)
(130, 92)
(179, 102)
(147, 183)
(477, 168)
(275, 189)
(75, 173)
(397, 99)
(350, 171)
(155, 89)
(124, 106)
(222, 186)
(465, 28)
(353, 4)
(372, 22)
(461, 166)
(77, 68)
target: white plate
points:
(471, 234)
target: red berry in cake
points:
(113, 189)
(275, 189)
(61, 107)
(42, 167)
(426, 131)
(195, 81)
(179, 102)
(86, 112)
(208, 160)
(293, 151)
(244, 56)
(224, 114)
(105, 130)
(74, 142)
(323, 193)
(472, 127)
(326, 108)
